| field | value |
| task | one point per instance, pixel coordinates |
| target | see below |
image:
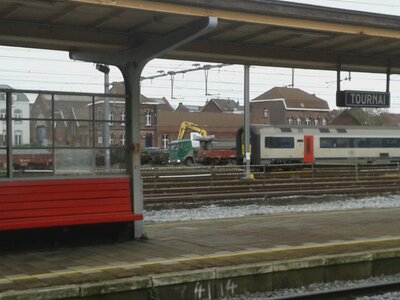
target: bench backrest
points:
(49, 203)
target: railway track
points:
(227, 183)
(372, 290)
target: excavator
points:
(185, 125)
(182, 150)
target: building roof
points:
(294, 98)
(163, 103)
(188, 108)
(20, 96)
(226, 105)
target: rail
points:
(226, 182)
(372, 290)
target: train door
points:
(308, 149)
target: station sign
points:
(362, 99)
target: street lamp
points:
(106, 125)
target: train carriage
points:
(283, 144)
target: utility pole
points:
(247, 153)
(106, 125)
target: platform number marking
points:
(230, 287)
(200, 291)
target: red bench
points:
(51, 203)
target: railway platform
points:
(213, 258)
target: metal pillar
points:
(131, 63)
(246, 98)
(9, 133)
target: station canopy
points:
(254, 32)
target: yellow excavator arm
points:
(192, 126)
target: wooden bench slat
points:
(68, 221)
(66, 211)
(84, 181)
(52, 189)
(65, 195)
(59, 204)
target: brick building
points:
(289, 106)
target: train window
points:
(279, 142)
(326, 143)
(390, 143)
(335, 143)
(359, 142)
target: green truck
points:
(181, 152)
(210, 152)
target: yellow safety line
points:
(206, 257)
(246, 17)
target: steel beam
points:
(233, 53)
(131, 63)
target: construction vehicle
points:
(201, 148)
(185, 125)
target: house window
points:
(324, 122)
(112, 139)
(18, 114)
(165, 141)
(3, 114)
(100, 140)
(111, 118)
(18, 137)
(298, 121)
(315, 121)
(308, 121)
(148, 118)
(265, 113)
(290, 121)
(123, 116)
(123, 139)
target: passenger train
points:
(284, 144)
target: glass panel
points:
(2, 106)
(3, 163)
(73, 161)
(3, 133)
(21, 135)
(41, 107)
(118, 160)
(32, 161)
(41, 133)
(73, 133)
(116, 108)
(72, 107)
(37, 133)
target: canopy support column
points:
(131, 63)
